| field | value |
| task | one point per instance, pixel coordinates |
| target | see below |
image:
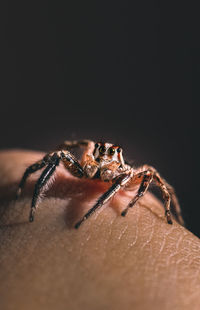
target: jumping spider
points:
(102, 161)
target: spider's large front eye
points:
(111, 151)
(102, 149)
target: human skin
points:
(110, 262)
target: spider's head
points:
(107, 152)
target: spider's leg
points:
(71, 164)
(166, 195)
(69, 160)
(176, 205)
(147, 178)
(166, 190)
(42, 181)
(88, 146)
(68, 145)
(119, 182)
(153, 175)
(31, 169)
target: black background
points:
(125, 72)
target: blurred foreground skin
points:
(111, 262)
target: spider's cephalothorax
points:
(107, 152)
(106, 162)
(100, 161)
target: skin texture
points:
(110, 262)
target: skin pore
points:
(110, 262)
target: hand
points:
(110, 262)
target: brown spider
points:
(102, 161)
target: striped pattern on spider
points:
(102, 161)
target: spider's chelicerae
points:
(102, 161)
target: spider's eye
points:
(119, 150)
(111, 151)
(96, 145)
(102, 149)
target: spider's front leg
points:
(42, 181)
(69, 161)
(31, 169)
(119, 182)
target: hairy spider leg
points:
(31, 169)
(166, 195)
(68, 145)
(45, 176)
(176, 206)
(146, 180)
(72, 164)
(88, 145)
(69, 162)
(119, 182)
(175, 203)
(148, 177)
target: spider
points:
(102, 161)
